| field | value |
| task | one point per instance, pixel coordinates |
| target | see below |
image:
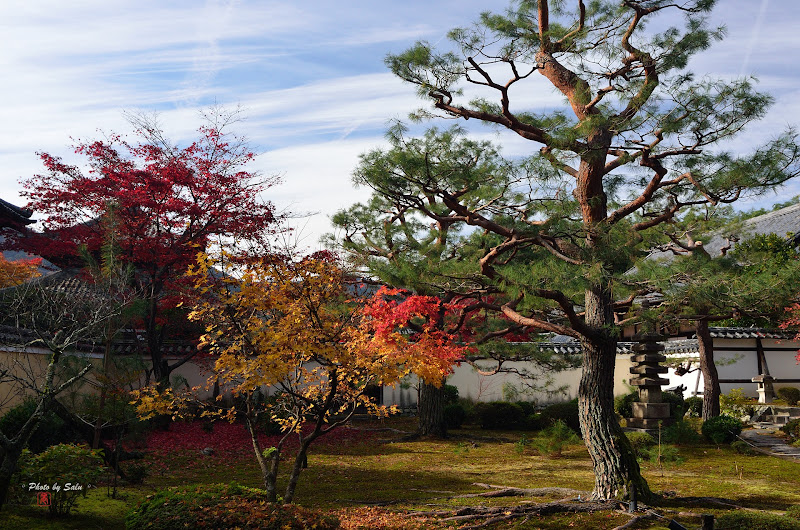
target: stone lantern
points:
(647, 369)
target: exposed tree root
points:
(506, 491)
(491, 515)
(569, 501)
(636, 519)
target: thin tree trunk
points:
(708, 368)
(431, 410)
(268, 465)
(299, 462)
(617, 473)
(154, 338)
(98, 424)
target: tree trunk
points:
(268, 464)
(12, 448)
(300, 461)
(616, 470)
(87, 432)
(431, 410)
(708, 368)
(8, 467)
(154, 335)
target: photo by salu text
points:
(56, 487)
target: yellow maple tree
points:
(295, 331)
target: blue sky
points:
(309, 76)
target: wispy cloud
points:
(310, 76)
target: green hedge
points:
(454, 415)
(694, 406)
(789, 394)
(566, 412)
(623, 404)
(500, 415)
(677, 406)
(640, 441)
(51, 429)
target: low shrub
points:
(528, 407)
(222, 506)
(677, 407)
(790, 395)
(793, 511)
(450, 394)
(721, 429)
(536, 422)
(623, 404)
(500, 415)
(64, 471)
(680, 432)
(739, 519)
(743, 448)
(566, 412)
(665, 454)
(792, 428)
(552, 440)
(454, 415)
(640, 441)
(736, 404)
(694, 406)
(136, 472)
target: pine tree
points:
(638, 140)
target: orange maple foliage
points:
(16, 272)
(405, 330)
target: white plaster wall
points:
(741, 363)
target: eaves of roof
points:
(14, 216)
(750, 333)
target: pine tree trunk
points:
(616, 470)
(708, 368)
(431, 410)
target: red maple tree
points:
(159, 204)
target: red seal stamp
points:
(43, 498)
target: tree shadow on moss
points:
(330, 485)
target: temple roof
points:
(14, 216)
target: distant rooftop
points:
(14, 216)
(784, 223)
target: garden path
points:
(764, 438)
